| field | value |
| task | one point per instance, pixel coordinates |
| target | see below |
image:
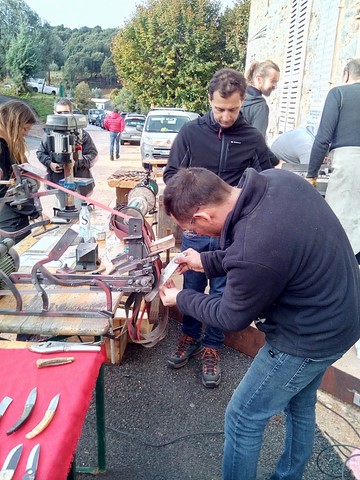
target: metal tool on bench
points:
(53, 347)
(29, 405)
(11, 462)
(32, 463)
(47, 418)
(5, 402)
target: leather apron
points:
(343, 191)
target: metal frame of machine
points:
(135, 273)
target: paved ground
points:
(163, 424)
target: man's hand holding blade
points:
(168, 293)
(190, 260)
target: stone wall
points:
(332, 38)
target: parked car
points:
(160, 129)
(134, 125)
(93, 113)
(99, 121)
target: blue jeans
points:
(213, 337)
(114, 139)
(275, 382)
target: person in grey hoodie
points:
(262, 78)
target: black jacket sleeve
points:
(180, 155)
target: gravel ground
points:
(162, 424)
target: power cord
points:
(338, 445)
(181, 437)
(160, 445)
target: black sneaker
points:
(187, 347)
(211, 372)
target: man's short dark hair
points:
(353, 68)
(64, 101)
(191, 188)
(227, 81)
(116, 110)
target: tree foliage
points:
(22, 57)
(173, 47)
(164, 55)
(82, 95)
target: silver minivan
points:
(160, 129)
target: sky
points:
(88, 13)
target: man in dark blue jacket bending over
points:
(289, 267)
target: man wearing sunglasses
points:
(82, 165)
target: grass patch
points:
(42, 104)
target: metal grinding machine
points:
(135, 271)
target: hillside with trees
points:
(164, 55)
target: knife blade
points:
(29, 405)
(49, 415)
(164, 276)
(11, 462)
(32, 463)
(5, 402)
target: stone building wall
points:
(331, 38)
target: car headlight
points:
(147, 140)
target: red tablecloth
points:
(74, 381)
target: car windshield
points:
(161, 123)
(132, 122)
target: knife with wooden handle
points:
(51, 362)
(49, 415)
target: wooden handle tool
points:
(51, 362)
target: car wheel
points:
(122, 142)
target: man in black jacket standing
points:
(220, 141)
(304, 298)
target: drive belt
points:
(34, 173)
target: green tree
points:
(235, 25)
(126, 101)
(22, 57)
(108, 71)
(14, 15)
(82, 96)
(168, 51)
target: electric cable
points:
(338, 445)
(339, 415)
(170, 442)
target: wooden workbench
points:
(62, 300)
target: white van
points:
(160, 129)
